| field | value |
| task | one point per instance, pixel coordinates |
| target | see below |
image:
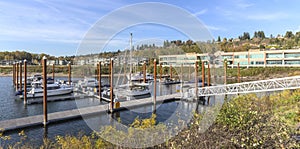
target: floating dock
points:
(76, 113)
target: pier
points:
(77, 113)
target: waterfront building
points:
(251, 58)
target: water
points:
(11, 108)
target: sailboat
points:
(130, 90)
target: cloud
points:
(200, 12)
(268, 16)
(242, 4)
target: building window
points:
(292, 55)
(292, 62)
(274, 62)
(274, 55)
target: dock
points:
(36, 120)
(53, 99)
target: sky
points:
(60, 28)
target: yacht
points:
(54, 89)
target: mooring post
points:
(99, 79)
(53, 71)
(190, 72)
(154, 74)
(45, 90)
(13, 75)
(17, 76)
(160, 72)
(239, 75)
(20, 88)
(181, 80)
(196, 80)
(208, 80)
(111, 86)
(171, 71)
(225, 72)
(144, 71)
(69, 66)
(203, 74)
(25, 82)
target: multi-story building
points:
(251, 58)
(184, 59)
(256, 58)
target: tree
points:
(289, 34)
(219, 39)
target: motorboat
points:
(169, 81)
(54, 89)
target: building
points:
(256, 58)
(184, 59)
(251, 58)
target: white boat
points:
(128, 92)
(140, 76)
(88, 82)
(52, 90)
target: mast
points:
(130, 57)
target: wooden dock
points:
(76, 113)
(53, 99)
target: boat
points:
(52, 90)
(130, 90)
(140, 77)
(169, 81)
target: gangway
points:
(249, 87)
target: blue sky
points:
(57, 27)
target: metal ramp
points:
(250, 87)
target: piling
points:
(53, 71)
(238, 75)
(203, 74)
(189, 72)
(111, 86)
(45, 91)
(25, 82)
(196, 80)
(208, 80)
(99, 79)
(154, 75)
(20, 76)
(14, 73)
(144, 72)
(17, 76)
(69, 66)
(171, 72)
(160, 72)
(225, 72)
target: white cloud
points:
(200, 12)
(268, 16)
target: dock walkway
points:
(75, 113)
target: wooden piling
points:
(154, 75)
(171, 72)
(14, 74)
(25, 82)
(225, 72)
(208, 80)
(20, 87)
(53, 72)
(17, 76)
(45, 91)
(99, 79)
(144, 72)
(69, 66)
(111, 86)
(203, 74)
(196, 80)
(160, 72)
(238, 75)
(189, 72)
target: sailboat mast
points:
(130, 57)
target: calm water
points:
(11, 108)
